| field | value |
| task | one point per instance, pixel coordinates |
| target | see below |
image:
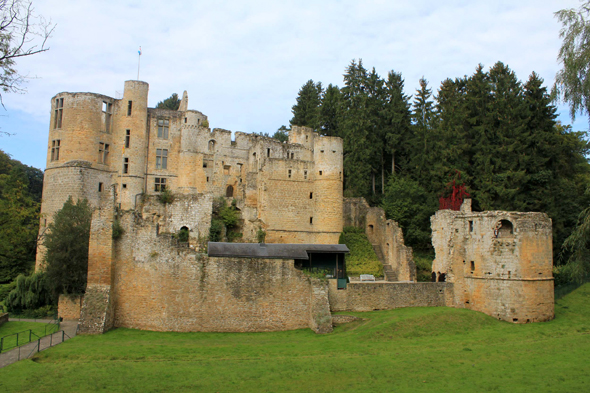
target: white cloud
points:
(244, 62)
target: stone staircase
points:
(388, 272)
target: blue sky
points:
(243, 63)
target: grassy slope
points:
(9, 328)
(413, 349)
(362, 258)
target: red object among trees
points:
(455, 199)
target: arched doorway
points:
(229, 191)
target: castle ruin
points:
(121, 156)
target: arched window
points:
(211, 145)
(229, 191)
(504, 229)
(183, 234)
(442, 277)
(433, 277)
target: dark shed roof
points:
(278, 251)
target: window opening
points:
(320, 173)
(442, 277)
(321, 151)
(211, 145)
(161, 158)
(185, 120)
(160, 184)
(127, 139)
(433, 277)
(311, 195)
(311, 220)
(207, 179)
(99, 187)
(472, 266)
(107, 113)
(59, 107)
(163, 125)
(292, 155)
(204, 165)
(268, 152)
(504, 229)
(125, 165)
(103, 153)
(289, 173)
(470, 226)
(124, 186)
(129, 107)
(305, 175)
(371, 227)
(55, 149)
(226, 169)
(157, 228)
(229, 192)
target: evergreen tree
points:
(331, 112)
(67, 240)
(423, 119)
(306, 112)
(172, 103)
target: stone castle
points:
(121, 156)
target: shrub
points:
(183, 235)
(215, 230)
(118, 230)
(30, 293)
(166, 196)
(261, 235)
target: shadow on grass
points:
(562, 290)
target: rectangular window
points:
(311, 195)
(124, 185)
(125, 165)
(127, 138)
(311, 220)
(163, 125)
(289, 173)
(268, 152)
(103, 153)
(160, 184)
(320, 173)
(305, 174)
(99, 187)
(55, 149)
(161, 158)
(204, 164)
(129, 107)
(59, 108)
(226, 169)
(107, 114)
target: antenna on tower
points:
(138, 62)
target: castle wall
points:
(369, 296)
(386, 237)
(158, 286)
(69, 307)
(500, 262)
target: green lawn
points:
(413, 350)
(10, 328)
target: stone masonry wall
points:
(369, 296)
(69, 307)
(385, 235)
(159, 286)
(500, 262)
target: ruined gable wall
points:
(386, 235)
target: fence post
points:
(51, 340)
(30, 331)
(1, 344)
(38, 345)
(62, 336)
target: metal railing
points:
(19, 341)
(39, 347)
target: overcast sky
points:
(243, 63)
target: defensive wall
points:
(386, 237)
(151, 281)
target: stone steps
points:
(388, 271)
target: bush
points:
(183, 235)
(30, 293)
(362, 258)
(166, 196)
(215, 230)
(118, 230)
(261, 235)
(423, 263)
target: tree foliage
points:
(172, 103)
(19, 217)
(500, 134)
(306, 111)
(67, 240)
(572, 82)
(30, 293)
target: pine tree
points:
(306, 112)
(423, 119)
(331, 112)
(172, 103)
